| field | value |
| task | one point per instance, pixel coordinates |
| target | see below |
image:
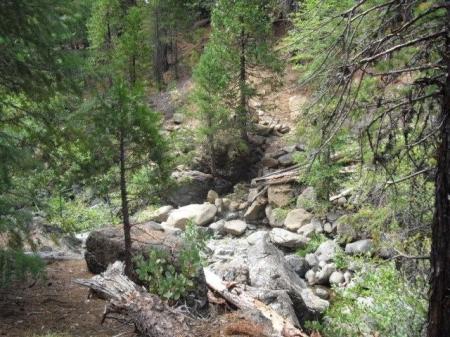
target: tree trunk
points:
(125, 209)
(439, 309)
(242, 108)
(151, 316)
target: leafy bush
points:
(77, 216)
(313, 244)
(16, 265)
(160, 274)
(378, 302)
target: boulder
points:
(256, 237)
(327, 250)
(296, 219)
(212, 196)
(256, 211)
(105, 246)
(268, 270)
(235, 227)
(285, 238)
(322, 292)
(307, 198)
(274, 216)
(161, 214)
(280, 195)
(328, 228)
(359, 247)
(190, 187)
(200, 214)
(310, 277)
(297, 263)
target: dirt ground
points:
(56, 304)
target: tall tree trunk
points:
(211, 149)
(125, 208)
(439, 309)
(242, 108)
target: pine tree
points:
(126, 132)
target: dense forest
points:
(225, 168)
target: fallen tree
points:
(153, 317)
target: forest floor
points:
(56, 304)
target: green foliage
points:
(17, 266)
(313, 244)
(78, 216)
(379, 301)
(167, 279)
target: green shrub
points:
(18, 266)
(313, 244)
(378, 302)
(162, 277)
(77, 216)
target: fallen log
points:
(151, 316)
(280, 176)
(243, 299)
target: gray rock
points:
(345, 231)
(311, 260)
(212, 196)
(341, 201)
(162, 213)
(359, 247)
(297, 263)
(235, 227)
(336, 278)
(252, 193)
(322, 292)
(323, 275)
(347, 276)
(178, 118)
(274, 216)
(257, 237)
(256, 211)
(297, 218)
(201, 215)
(328, 228)
(307, 198)
(286, 159)
(284, 238)
(327, 250)
(333, 216)
(280, 195)
(310, 277)
(218, 226)
(191, 187)
(269, 270)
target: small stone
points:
(226, 203)
(322, 292)
(212, 196)
(297, 218)
(359, 247)
(310, 277)
(341, 201)
(327, 250)
(286, 159)
(284, 238)
(328, 228)
(178, 118)
(311, 260)
(336, 278)
(234, 206)
(218, 226)
(235, 227)
(323, 275)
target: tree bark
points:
(125, 208)
(439, 306)
(151, 316)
